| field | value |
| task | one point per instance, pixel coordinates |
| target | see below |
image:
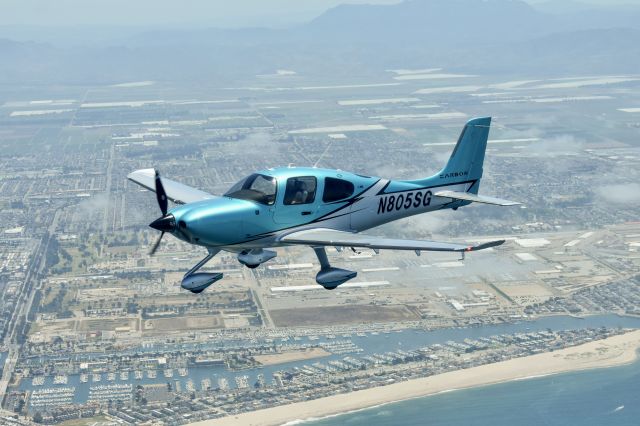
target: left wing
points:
(332, 237)
(177, 192)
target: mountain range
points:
(499, 36)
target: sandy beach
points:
(613, 351)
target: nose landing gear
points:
(198, 282)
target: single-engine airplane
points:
(317, 208)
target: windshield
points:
(259, 188)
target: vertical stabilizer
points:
(466, 160)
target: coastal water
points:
(608, 396)
(370, 343)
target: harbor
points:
(355, 352)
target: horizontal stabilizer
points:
(332, 237)
(467, 196)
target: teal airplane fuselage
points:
(239, 224)
(318, 208)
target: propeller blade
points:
(161, 196)
(156, 244)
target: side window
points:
(336, 189)
(300, 190)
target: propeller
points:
(155, 245)
(161, 195)
(167, 222)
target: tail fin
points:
(464, 166)
(466, 160)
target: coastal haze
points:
(95, 331)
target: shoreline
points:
(613, 351)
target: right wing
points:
(176, 191)
(332, 237)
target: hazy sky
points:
(227, 13)
(223, 13)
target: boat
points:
(60, 379)
(223, 383)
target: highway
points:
(19, 320)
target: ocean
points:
(608, 396)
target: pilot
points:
(301, 192)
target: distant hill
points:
(614, 50)
(489, 36)
(433, 22)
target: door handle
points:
(305, 213)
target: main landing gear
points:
(330, 277)
(255, 257)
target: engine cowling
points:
(198, 282)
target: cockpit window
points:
(300, 190)
(257, 187)
(336, 189)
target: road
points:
(24, 304)
(107, 191)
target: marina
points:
(372, 348)
(110, 392)
(51, 397)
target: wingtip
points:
(487, 245)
